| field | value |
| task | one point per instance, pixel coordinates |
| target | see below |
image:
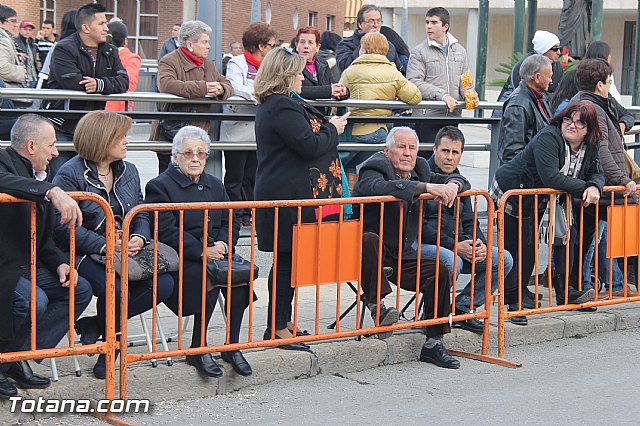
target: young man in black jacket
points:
(85, 62)
(447, 152)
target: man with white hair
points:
(398, 171)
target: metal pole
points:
(636, 71)
(596, 20)
(404, 33)
(532, 15)
(481, 61)
(518, 26)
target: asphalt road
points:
(587, 381)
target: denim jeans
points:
(140, 292)
(352, 159)
(603, 263)
(52, 309)
(463, 300)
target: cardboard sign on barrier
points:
(336, 263)
(622, 230)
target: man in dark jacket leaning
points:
(397, 171)
(23, 173)
(84, 62)
(471, 242)
(369, 19)
(527, 110)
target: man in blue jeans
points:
(23, 174)
(447, 152)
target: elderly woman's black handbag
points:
(218, 270)
(169, 128)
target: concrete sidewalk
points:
(171, 383)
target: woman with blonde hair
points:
(101, 143)
(297, 159)
(372, 76)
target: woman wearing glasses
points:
(240, 166)
(297, 159)
(562, 156)
(101, 143)
(186, 182)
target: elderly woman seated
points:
(183, 182)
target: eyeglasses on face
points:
(556, 49)
(271, 45)
(374, 21)
(579, 123)
(201, 155)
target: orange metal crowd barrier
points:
(109, 345)
(323, 253)
(623, 238)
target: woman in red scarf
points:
(187, 72)
(240, 166)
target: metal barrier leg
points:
(154, 362)
(54, 370)
(163, 339)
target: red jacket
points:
(131, 62)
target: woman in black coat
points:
(184, 181)
(297, 159)
(101, 143)
(562, 156)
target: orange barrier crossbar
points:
(109, 344)
(324, 252)
(623, 237)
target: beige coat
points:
(179, 76)
(10, 72)
(373, 77)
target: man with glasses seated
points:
(369, 19)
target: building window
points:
(267, 13)
(295, 19)
(141, 19)
(48, 10)
(313, 19)
(331, 23)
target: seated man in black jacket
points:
(447, 152)
(23, 174)
(399, 172)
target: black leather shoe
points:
(100, 367)
(25, 378)
(205, 364)
(87, 329)
(438, 355)
(7, 389)
(517, 320)
(472, 325)
(289, 346)
(238, 362)
(588, 309)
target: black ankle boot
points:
(100, 368)
(575, 296)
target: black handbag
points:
(169, 128)
(240, 270)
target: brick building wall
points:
(236, 15)
(236, 19)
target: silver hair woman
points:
(185, 181)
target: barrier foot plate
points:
(485, 358)
(111, 419)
